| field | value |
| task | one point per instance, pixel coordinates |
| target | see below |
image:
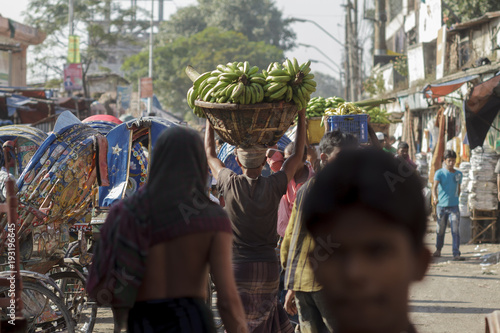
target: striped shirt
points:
(295, 248)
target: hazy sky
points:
(329, 14)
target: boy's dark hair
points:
(375, 180)
(449, 154)
(403, 145)
(336, 139)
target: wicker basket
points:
(250, 124)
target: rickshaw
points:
(130, 145)
(25, 140)
(54, 189)
(127, 161)
(103, 124)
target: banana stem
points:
(243, 79)
(192, 73)
(298, 79)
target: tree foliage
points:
(464, 10)
(374, 85)
(98, 23)
(258, 20)
(204, 51)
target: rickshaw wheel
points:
(43, 310)
(83, 311)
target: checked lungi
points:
(258, 284)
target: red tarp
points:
(481, 109)
(32, 93)
(103, 117)
(443, 89)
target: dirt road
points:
(455, 296)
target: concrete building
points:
(14, 41)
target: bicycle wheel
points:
(83, 312)
(73, 250)
(43, 310)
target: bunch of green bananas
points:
(238, 82)
(344, 109)
(317, 105)
(289, 82)
(235, 82)
(378, 116)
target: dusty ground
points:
(454, 297)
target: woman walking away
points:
(158, 245)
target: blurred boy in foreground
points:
(367, 216)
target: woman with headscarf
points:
(157, 246)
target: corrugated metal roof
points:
(477, 21)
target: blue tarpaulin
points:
(156, 102)
(124, 94)
(16, 101)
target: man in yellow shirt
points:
(304, 294)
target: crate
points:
(484, 226)
(314, 130)
(355, 124)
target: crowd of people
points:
(342, 228)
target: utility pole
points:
(107, 15)
(133, 5)
(150, 99)
(71, 29)
(380, 19)
(160, 11)
(355, 49)
(352, 55)
(347, 60)
(70, 17)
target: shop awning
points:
(443, 89)
(481, 109)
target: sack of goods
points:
(464, 193)
(482, 185)
(485, 175)
(477, 186)
(248, 106)
(483, 201)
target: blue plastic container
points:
(355, 124)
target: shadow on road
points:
(449, 309)
(424, 301)
(464, 277)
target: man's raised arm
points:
(214, 163)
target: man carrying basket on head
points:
(252, 202)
